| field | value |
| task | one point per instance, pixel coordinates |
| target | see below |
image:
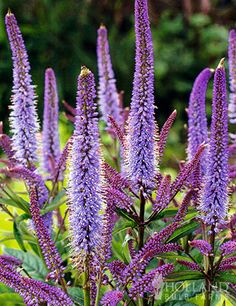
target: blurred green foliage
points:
(62, 34)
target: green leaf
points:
(124, 214)
(125, 226)
(15, 200)
(22, 218)
(14, 298)
(226, 277)
(10, 202)
(55, 203)
(31, 263)
(184, 275)
(76, 294)
(5, 289)
(173, 256)
(18, 237)
(183, 231)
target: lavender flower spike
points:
(214, 202)
(112, 298)
(204, 247)
(85, 171)
(197, 121)
(108, 95)
(51, 256)
(141, 154)
(23, 118)
(50, 135)
(232, 76)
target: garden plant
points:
(100, 222)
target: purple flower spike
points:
(197, 121)
(184, 207)
(116, 268)
(226, 267)
(186, 170)
(232, 75)
(23, 117)
(50, 135)
(147, 282)
(48, 248)
(33, 292)
(108, 95)
(191, 265)
(214, 204)
(141, 155)
(163, 194)
(228, 248)
(112, 298)
(85, 171)
(203, 246)
(155, 245)
(11, 260)
(228, 261)
(164, 133)
(108, 223)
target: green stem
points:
(98, 292)
(207, 301)
(142, 301)
(86, 285)
(210, 271)
(141, 224)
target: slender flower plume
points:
(147, 282)
(214, 204)
(184, 207)
(163, 194)
(34, 292)
(164, 133)
(108, 95)
(85, 171)
(228, 261)
(112, 298)
(61, 165)
(141, 152)
(23, 117)
(204, 247)
(155, 245)
(114, 178)
(191, 265)
(116, 268)
(232, 75)
(50, 135)
(186, 170)
(197, 121)
(32, 179)
(51, 256)
(197, 128)
(228, 248)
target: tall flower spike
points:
(147, 282)
(85, 171)
(214, 202)
(232, 76)
(50, 136)
(48, 248)
(204, 247)
(108, 95)
(34, 292)
(23, 117)
(164, 133)
(141, 154)
(197, 120)
(112, 298)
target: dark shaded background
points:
(188, 36)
